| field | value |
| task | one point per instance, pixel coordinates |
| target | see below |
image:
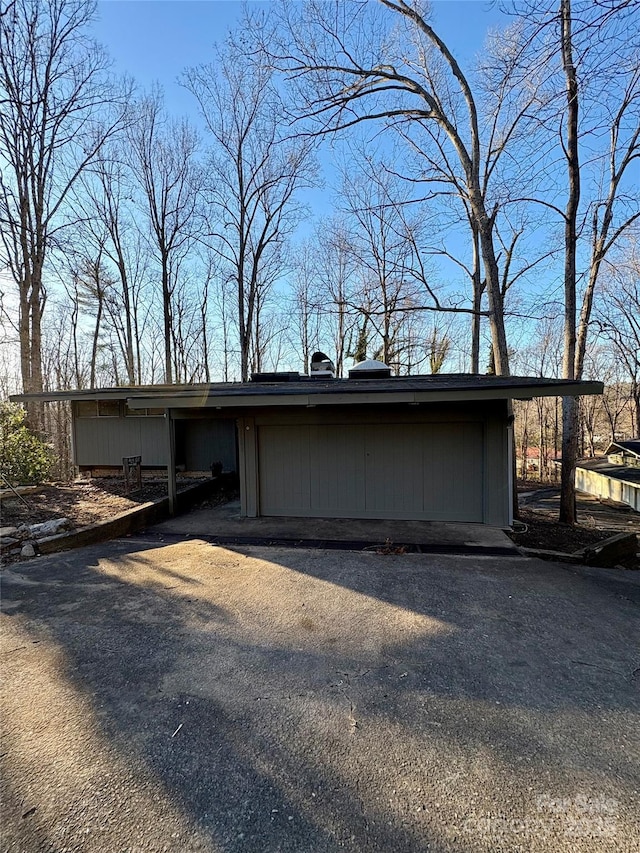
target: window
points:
(98, 408)
(108, 408)
(87, 409)
(142, 413)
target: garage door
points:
(413, 471)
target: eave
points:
(413, 390)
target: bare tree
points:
(305, 308)
(592, 91)
(255, 171)
(353, 64)
(164, 166)
(618, 318)
(55, 99)
(91, 286)
(105, 196)
(335, 273)
(385, 236)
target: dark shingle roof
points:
(632, 446)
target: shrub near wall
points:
(24, 458)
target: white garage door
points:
(413, 471)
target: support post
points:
(171, 460)
(248, 467)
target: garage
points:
(432, 471)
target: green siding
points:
(207, 441)
(104, 441)
(385, 470)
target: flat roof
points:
(313, 392)
(599, 465)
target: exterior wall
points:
(602, 486)
(200, 441)
(205, 441)
(482, 426)
(104, 441)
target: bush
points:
(24, 458)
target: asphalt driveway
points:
(190, 697)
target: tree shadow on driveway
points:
(189, 697)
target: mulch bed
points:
(546, 534)
(83, 502)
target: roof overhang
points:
(337, 392)
(630, 447)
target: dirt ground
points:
(547, 534)
(83, 502)
(597, 520)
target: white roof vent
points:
(370, 369)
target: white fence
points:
(603, 486)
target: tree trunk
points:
(166, 310)
(494, 294)
(570, 404)
(477, 304)
(126, 298)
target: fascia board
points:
(201, 399)
(362, 398)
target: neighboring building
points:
(550, 460)
(624, 453)
(371, 446)
(616, 477)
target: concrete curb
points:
(126, 522)
(555, 556)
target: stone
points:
(9, 542)
(7, 531)
(48, 528)
(28, 550)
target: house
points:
(532, 455)
(370, 446)
(616, 477)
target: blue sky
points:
(154, 40)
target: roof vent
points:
(370, 369)
(289, 376)
(322, 367)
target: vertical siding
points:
(337, 469)
(248, 466)
(453, 471)
(394, 470)
(209, 440)
(104, 441)
(497, 494)
(284, 470)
